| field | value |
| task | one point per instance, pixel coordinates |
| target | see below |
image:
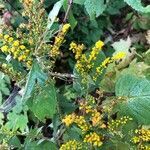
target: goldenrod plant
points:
(74, 75)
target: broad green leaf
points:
(136, 92)
(94, 7)
(53, 13)
(137, 5)
(46, 145)
(81, 2)
(44, 104)
(35, 75)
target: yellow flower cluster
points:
(118, 56)
(95, 50)
(15, 49)
(59, 39)
(94, 139)
(144, 147)
(8, 69)
(77, 49)
(143, 135)
(84, 64)
(71, 145)
(115, 124)
(79, 120)
(106, 62)
(69, 119)
(95, 116)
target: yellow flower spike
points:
(106, 62)
(16, 43)
(59, 40)
(4, 48)
(65, 28)
(99, 44)
(77, 49)
(95, 50)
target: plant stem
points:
(68, 10)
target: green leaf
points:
(137, 5)
(3, 84)
(15, 142)
(16, 121)
(46, 145)
(136, 92)
(94, 7)
(81, 2)
(53, 13)
(44, 104)
(35, 74)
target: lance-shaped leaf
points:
(53, 13)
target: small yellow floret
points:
(16, 43)
(94, 139)
(22, 47)
(4, 48)
(10, 39)
(69, 119)
(65, 28)
(99, 44)
(119, 55)
(6, 37)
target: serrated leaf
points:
(137, 5)
(94, 7)
(136, 91)
(16, 121)
(44, 104)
